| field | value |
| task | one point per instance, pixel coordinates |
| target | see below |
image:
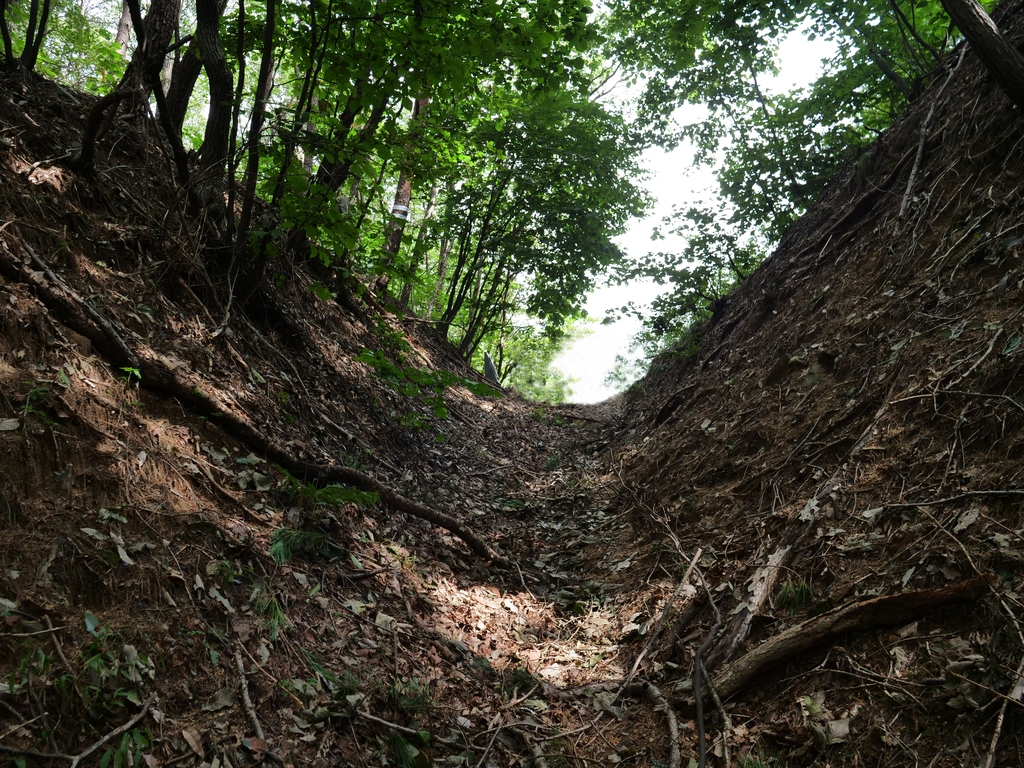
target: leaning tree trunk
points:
(264, 83)
(124, 29)
(1004, 63)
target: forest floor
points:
(819, 493)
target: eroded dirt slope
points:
(836, 456)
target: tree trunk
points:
(403, 197)
(417, 251)
(1004, 63)
(9, 61)
(264, 84)
(124, 29)
(218, 123)
(183, 82)
(154, 35)
(34, 39)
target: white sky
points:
(673, 182)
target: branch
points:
(887, 611)
(116, 732)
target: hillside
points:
(818, 493)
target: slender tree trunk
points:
(1004, 62)
(403, 197)
(442, 273)
(10, 62)
(124, 29)
(33, 38)
(417, 251)
(154, 35)
(264, 85)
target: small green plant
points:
(285, 543)
(426, 386)
(310, 496)
(553, 462)
(129, 752)
(793, 595)
(36, 400)
(406, 755)
(131, 373)
(413, 696)
(756, 761)
(265, 603)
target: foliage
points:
(285, 543)
(531, 171)
(264, 603)
(428, 386)
(715, 259)
(524, 355)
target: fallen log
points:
(879, 611)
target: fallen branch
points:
(887, 611)
(246, 700)
(408, 731)
(924, 136)
(116, 732)
(156, 375)
(655, 696)
(698, 668)
(653, 636)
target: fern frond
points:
(285, 543)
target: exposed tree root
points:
(156, 375)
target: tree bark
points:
(183, 82)
(218, 122)
(34, 39)
(403, 197)
(154, 35)
(9, 61)
(124, 28)
(1004, 62)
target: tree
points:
(1004, 62)
(544, 188)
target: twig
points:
(661, 621)
(408, 731)
(32, 634)
(19, 726)
(924, 137)
(658, 699)
(958, 497)
(726, 720)
(37, 755)
(698, 666)
(980, 360)
(535, 751)
(490, 745)
(116, 732)
(56, 643)
(246, 700)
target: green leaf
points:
(92, 623)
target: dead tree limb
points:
(886, 611)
